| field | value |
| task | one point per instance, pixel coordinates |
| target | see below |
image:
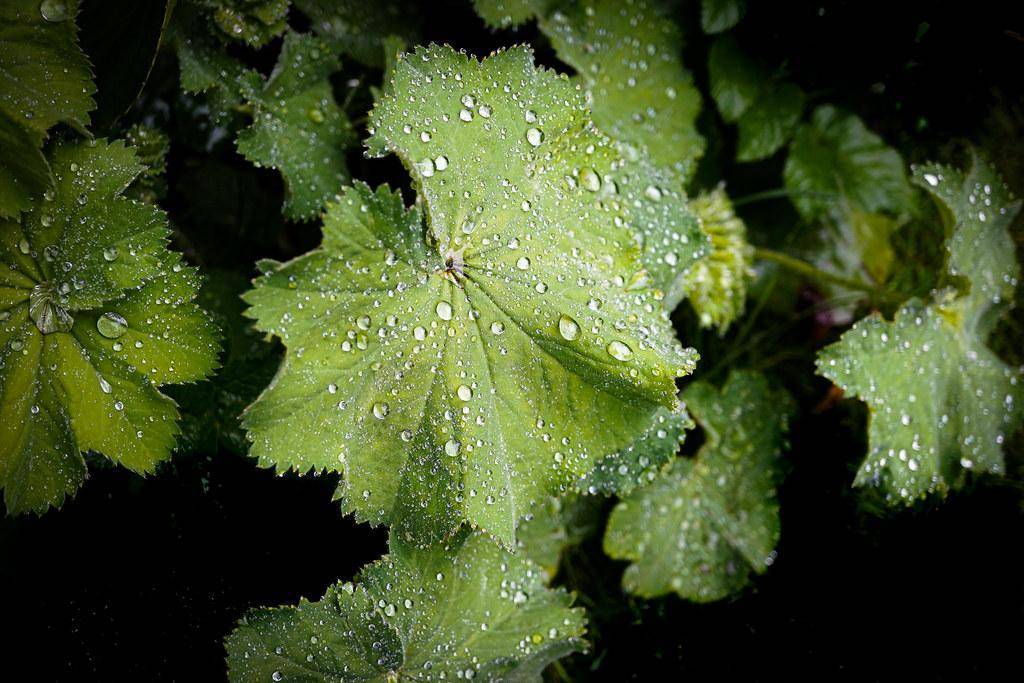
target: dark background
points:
(142, 578)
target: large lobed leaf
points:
(95, 314)
(469, 610)
(941, 402)
(454, 372)
(707, 522)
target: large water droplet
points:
(111, 325)
(464, 392)
(110, 254)
(620, 351)
(534, 136)
(590, 180)
(54, 10)
(568, 328)
(381, 410)
(444, 310)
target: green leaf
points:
(443, 370)
(24, 173)
(253, 22)
(554, 526)
(835, 159)
(736, 80)
(361, 30)
(95, 314)
(648, 180)
(769, 122)
(717, 284)
(628, 57)
(151, 146)
(202, 59)
(708, 522)
(298, 128)
(639, 463)
(468, 610)
(721, 15)
(941, 402)
(39, 44)
(509, 13)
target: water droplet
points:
(484, 111)
(534, 136)
(441, 163)
(111, 325)
(110, 254)
(568, 328)
(931, 179)
(497, 327)
(381, 410)
(653, 193)
(24, 247)
(363, 322)
(590, 180)
(315, 115)
(444, 310)
(464, 392)
(531, 116)
(466, 115)
(54, 11)
(523, 263)
(452, 447)
(620, 351)
(425, 167)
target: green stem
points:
(811, 271)
(778, 193)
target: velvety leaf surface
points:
(941, 402)
(834, 160)
(298, 128)
(469, 610)
(451, 371)
(708, 522)
(95, 314)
